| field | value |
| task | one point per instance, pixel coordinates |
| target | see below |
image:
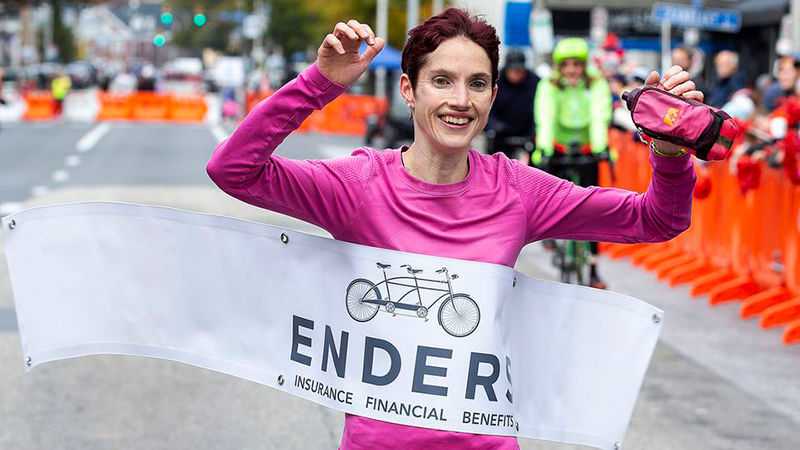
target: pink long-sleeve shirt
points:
(369, 198)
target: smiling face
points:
(572, 69)
(453, 96)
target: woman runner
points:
(437, 196)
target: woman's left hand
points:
(678, 82)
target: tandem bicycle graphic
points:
(458, 315)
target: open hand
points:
(338, 58)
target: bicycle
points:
(515, 147)
(458, 315)
(573, 258)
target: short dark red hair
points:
(427, 36)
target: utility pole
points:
(412, 14)
(691, 35)
(795, 13)
(47, 33)
(666, 50)
(28, 34)
(257, 53)
(382, 30)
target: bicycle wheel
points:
(583, 255)
(358, 291)
(567, 261)
(459, 315)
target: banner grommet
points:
(12, 224)
(280, 380)
(656, 318)
(284, 238)
(28, 361)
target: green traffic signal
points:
(199, 19)
(159, 40)
(166, 17)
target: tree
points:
(214, 35)
(210, 5)
(63, 38)
(294, 26)
(365, 11)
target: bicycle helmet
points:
(570, 48)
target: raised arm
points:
(556, 208)
(323, 192)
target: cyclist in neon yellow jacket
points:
(572, 105)
(572, 108)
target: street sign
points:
(518, 16)
(726, 20)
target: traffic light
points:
(166, 18)
(199, 20)
(159, 40)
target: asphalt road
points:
(715, 382)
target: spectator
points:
(2, 100)
(763, 83)
(616, 83)
(123, 83)
(147, 79)
(620, 117)
(684, 56)
(512, 112)
(729, 79)
(230, 107)
(610, 59)
(637, 77)
(60, 87)
(788, 75)
(741, 105)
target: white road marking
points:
(335, 151)
(91, 138)
(9, 208)
(38, 191)
(219, 134)
(72, 160)
(60, 175)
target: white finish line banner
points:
(411, 339)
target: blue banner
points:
(518, 15)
